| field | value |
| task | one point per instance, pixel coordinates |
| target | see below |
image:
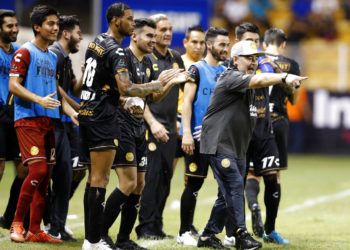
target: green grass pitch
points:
(314, 211)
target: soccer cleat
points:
(86, 245)
(258, 226)
(210, 242)
(275, 237)
(41, 236)
(66, 237)
(245, 241)
(129, 245)
(230, 241)
(107, 241)
(16, 232)
(3, 223)
(101, 245)
(186, 239)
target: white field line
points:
(291, 209)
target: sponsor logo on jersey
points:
(148, 72)
(34, 150)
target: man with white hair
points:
(226, 132)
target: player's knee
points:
(139, 187)
(22, 171)
(99, 180)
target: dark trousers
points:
(229, 173)
(61, 180)
(157, 187)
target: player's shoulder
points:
(104, 44)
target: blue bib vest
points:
(41, 80)
(208, 76)
(5, 64)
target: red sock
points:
(37, 173)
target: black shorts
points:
(9, 149)
(132, 149)
(99, 136)
(281, 127)
(179, 152)
(197, 165)
(262, 156)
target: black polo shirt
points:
(231, 115)
(165, 111)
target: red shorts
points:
(36, 139)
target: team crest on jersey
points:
(175, 66)
(193, 167)
(148, 72)
(225, 163)
(34, 150)
(116, 142)
(152, 146)
(129, 156)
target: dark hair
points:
(142, 22)
(213, 32)
(39, 14)
(275, 36)
(246, 27)
(67, 23)
(116, 10)
(193, 28)
(4, 13)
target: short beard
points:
(6, 38)
(215, 55)
(72, 46)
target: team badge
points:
(193, 167)
(129, 156)
(152, 146)
(225, 163)
(148, 72)
(34, 150)
(116, 142)
(175, 66)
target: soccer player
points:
(262, 155)
(227, 128)
(162, 139)
(131, 159)
(33, 83)
(194, 44)
(196, 100)
(69, 37)
(105, 79)
(275, 42)
(8, 140)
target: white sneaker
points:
(186, 239)
(86, 245)
(101, 245)
(68, 231)
(229, 241)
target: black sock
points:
(96, 201)
(86, 210)
(13, 199)
(78, 176)
(272, 199)
(188, 202)
(128, 217)
(252, 190)
(112, 209)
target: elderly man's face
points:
(246, 64)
